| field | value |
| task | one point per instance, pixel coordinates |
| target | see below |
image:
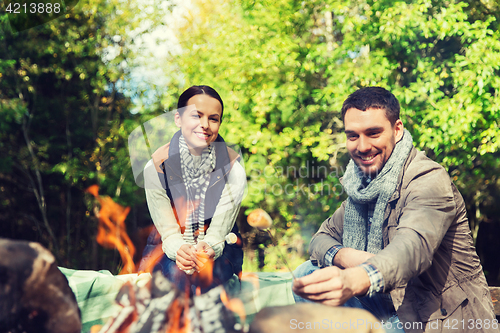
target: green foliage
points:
(441, 59)
(63, 127)
(282, 67)
(270, 83)
(287, 253)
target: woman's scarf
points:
(196, 179)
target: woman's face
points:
(200, 122)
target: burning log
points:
(34, 295)
(161, 307)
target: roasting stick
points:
(230, 239)
(261, 220)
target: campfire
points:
(159, 306)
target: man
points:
(400, 245)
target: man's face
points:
(371, 138)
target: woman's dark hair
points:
(198, 90)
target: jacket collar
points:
(409, 159)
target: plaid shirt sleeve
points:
(376, 279)
(330, 254)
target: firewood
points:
(160, 307)
(313, 317)
(34, 295)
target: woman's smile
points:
(200, 122)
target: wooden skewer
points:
(261, 220)
(279, 252)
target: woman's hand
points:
(203, 246)
(185, 258)
(204, 252)
(189, 257)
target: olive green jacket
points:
(429, 262)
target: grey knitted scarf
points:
(379, 190)
(196, 180)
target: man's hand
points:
(185, 258)
(348, 257)
(332, 285)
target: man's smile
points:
(367, 158)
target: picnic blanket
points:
(96, 291)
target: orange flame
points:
(178, 321)
(205, 274)
(111, 232)
(151, 260)
(235, 305)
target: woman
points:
(194, 186)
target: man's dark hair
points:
(373, 97)
(199, 90)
